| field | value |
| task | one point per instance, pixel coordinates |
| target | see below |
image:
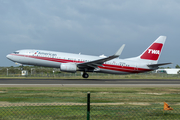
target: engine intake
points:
(68, 67)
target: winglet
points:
(118, 53)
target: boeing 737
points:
(68, 62)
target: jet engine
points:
(68, 67)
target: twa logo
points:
(153, 51)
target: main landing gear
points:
(85, 75)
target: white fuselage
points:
(55, 59)
(69, 62)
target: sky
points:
(92, 27)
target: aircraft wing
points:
(99, 62)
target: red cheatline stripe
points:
(124, 67)
(106, 66)
(48, 59)
(125, 70)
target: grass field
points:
(67, 103)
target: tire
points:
(85, 75)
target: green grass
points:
(98, 94)
(116, 103)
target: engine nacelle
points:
(68, 67)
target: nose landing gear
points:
(85, 75)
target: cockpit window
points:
(16, 52)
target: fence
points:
(56, 105)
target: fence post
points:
(88, 106)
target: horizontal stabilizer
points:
(157, 65)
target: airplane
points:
(69, 62)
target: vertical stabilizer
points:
(154, 50)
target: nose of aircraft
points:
(9, 57)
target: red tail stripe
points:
(153, 52)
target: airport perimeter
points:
(116, 103)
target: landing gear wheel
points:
(85, 75)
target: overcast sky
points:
(91, 27)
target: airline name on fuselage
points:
(154, 51)
(47, 54)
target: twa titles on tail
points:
(69, 62)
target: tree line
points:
(30, 69)
(36, 70)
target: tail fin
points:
(154, 50)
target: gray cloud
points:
(92, 27)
